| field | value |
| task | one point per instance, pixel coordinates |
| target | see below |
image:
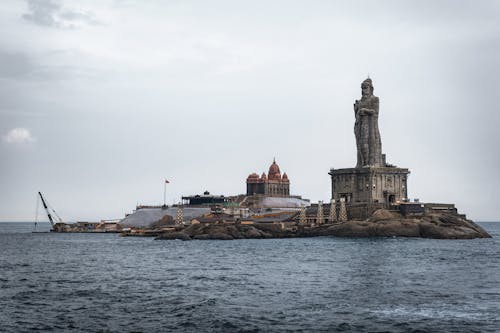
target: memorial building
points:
(272, 184)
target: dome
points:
(274, 172)
(263, 177)
(285, 178)
(253, 177)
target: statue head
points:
(367, 88)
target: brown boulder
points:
(435, 225)
(173, 235)
(164, 221)
(216, 235)
(382, 214)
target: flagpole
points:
(165, 192)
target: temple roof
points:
(253, 176)
(274, 172)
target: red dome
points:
(274, 172)
(263, 177)
(285, 178)
(253, 177)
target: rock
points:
(253, 233)
(224, 231)
(435, 225)
(382, 214)
(194, 229)
(350, 229)
(383, 223)
(164, 221)
(202, 237)
(234, 232)
(174, 235)
(450, 226)
(219, 236)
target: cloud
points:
(51, 65)
(18, 135)
(50, 13)
(15, 64)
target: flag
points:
(166, 181)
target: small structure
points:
(332, 217)
(205, 199)
(411, 208)
(214, 218)
(343, 211)
(320, 219)
(179, 219)
(109, 226)
(303, 216)
(441, 207)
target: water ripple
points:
(89, 283)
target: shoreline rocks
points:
(437, 225)
(382, 224)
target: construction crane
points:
(49, 215)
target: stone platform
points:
(370, 185)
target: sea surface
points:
(106, 283)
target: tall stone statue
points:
(368, 141)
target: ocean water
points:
(105, 283)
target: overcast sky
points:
(100, 101)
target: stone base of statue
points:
(369, 188)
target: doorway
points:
(392, 198)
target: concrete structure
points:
(343, 211)
(332, 216)
(372, 181)
(146, 217)
(205, 199)
(386, 185)
(265, 201)
(272, 184)
(320, 218)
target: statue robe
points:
(368, 142)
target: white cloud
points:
(18, 135)
(51, 13)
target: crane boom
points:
(46, 209)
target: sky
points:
(103, 100)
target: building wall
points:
(370, 185)
(278, 188)
(268, 188)
(255, 188)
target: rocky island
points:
(382, 223)
(369, 200)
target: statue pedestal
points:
(370, 185)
